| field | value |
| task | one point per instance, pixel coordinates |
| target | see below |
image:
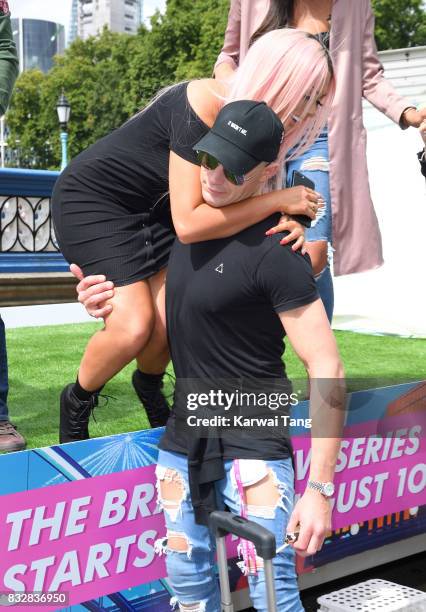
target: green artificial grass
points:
(42, 360)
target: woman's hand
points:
(300, 200)
(413, 118)
(423, 131)
(297, 232)
(93, 292)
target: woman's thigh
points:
(157, 284)
(133, 310)
(155, 356)
(105, 237)
(268, 487)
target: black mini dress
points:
(110, 206)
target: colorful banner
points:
(82, 518)
(91, 537)
(375, 475)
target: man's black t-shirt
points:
(223, 298)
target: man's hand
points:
(312, 518)
(93, 292)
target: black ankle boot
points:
(74, 416)
(149, 391)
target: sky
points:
(60, 10)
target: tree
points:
(109, 77)
(27, 134)
(202, 36)
(182, 44)
(400, 23)
(94, 76)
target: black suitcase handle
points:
(223, 523)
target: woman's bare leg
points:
(155, 356)
(127, 331)
(153, 359)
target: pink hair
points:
(281, 68)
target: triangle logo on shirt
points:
(219, 269)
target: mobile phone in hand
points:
(300, 179)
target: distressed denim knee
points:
(188, 547)
(263, 490)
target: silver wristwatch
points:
(325, 488)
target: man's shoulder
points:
(251, 245)
(257, 232)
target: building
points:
(118, 15)
(37, 42)
(73, 31)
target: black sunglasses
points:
(211, 163)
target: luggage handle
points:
(223, 523)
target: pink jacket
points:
(359, 73)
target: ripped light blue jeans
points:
(314, 164)
(190, 548)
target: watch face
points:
(329, 489)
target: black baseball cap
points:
(244, 134)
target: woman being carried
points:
(106, 217)
(230, 303)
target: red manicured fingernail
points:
(269, 233)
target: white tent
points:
(392, 299)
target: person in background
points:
(337, 161)
(10, 438)
(422, 154)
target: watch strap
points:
(317, 486)
(321, 487)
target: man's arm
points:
(310, 334)
(9, 63)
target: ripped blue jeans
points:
(314, 164)
(190, 548)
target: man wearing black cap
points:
(240, 149)
(230, 302)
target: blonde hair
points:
(282, 68)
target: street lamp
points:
(64, 110)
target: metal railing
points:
(27, 236)
(26, 225)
